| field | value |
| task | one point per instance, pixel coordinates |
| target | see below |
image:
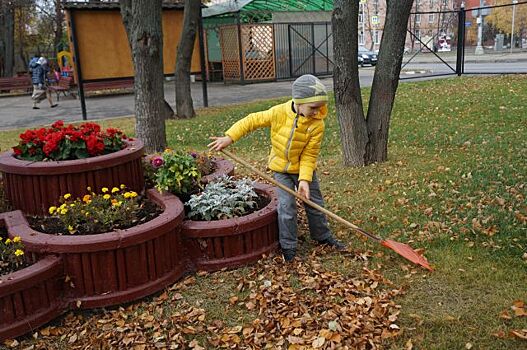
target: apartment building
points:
(430, 21)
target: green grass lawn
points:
(455, 185)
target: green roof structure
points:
(263, 8)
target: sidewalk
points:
(490, 56)
(16, 111)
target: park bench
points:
(15, 83)
(114, 84)
(65, 85)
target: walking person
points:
(39, 77)
(297, 129)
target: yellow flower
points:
(67, 195)
(168, 150)
(7, 241)
(0, 239)
(122, 187)
(19, 252)
(133, 194)
(104, 189)
(115, 189)
(86, 198)
(72, 205)
(106, 196)
(63, 211)
(17, 239)
(52, 209)
(70, 228)
(127, 195)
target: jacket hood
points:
(322, 112)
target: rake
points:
(402, 249)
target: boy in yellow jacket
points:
(297, 128)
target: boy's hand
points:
(303, 188)
(219, 143)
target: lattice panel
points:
(258, 49)
(230, 53)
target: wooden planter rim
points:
(229, 227)
(29, 276)
(34, 240)
(10, 164)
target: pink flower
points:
(157, 162)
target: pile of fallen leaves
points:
(291, 306)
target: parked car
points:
(368, 57)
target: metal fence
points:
(303, 48)
(480, 40)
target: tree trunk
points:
(348, 100)
(386, 79)
(142, 20)
(7, 40)
(184, 104)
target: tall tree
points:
(184, 103)
(7, 38)
(365, 138)
(142, 20)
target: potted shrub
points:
(30, 287)
(48, 162)
(231, 223)
(111, 253)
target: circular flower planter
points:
(35, 186)
(30, 297)
(214, 245)
(119, 266)
(221, 167)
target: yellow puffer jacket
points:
(295, 139)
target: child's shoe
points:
(332, 242)
(289, 254)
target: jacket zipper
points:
(288, 148)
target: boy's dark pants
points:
(287, 217)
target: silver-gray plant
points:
(223, 198)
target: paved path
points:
(16, 112)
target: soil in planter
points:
(9, 267)
(261, 202)
(52, 225)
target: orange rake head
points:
(407, 252)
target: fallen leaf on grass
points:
(519, 333)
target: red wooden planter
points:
(35, 186)
(222, 167)
(119, 266)
(213, 245)
(31, 296)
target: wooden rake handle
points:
(305, 200)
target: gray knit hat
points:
(309, 88)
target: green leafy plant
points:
(177, 173)
(223, 198)
(98, 213)
(11, 255)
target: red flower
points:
(50, 143)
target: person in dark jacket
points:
(39, 71)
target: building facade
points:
(429, 23)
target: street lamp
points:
(479, 48)
(514, 2)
